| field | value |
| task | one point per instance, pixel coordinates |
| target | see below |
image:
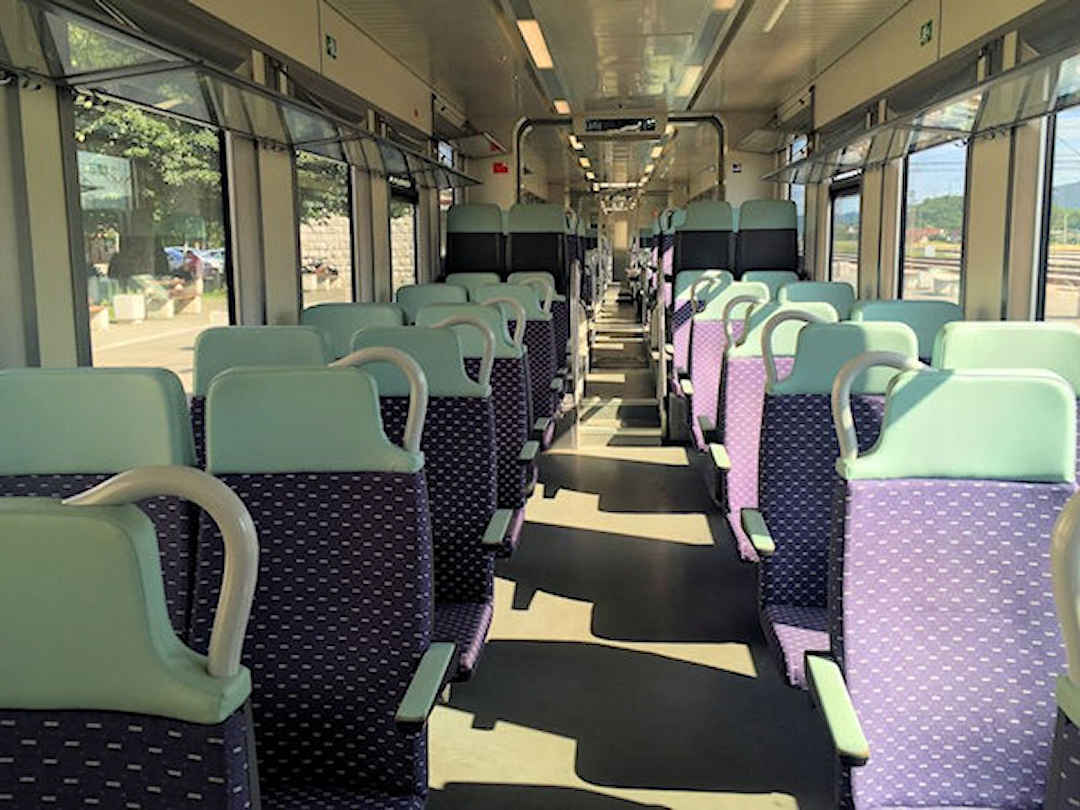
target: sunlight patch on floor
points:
(581, 510)
(667, 456)
(518, 755)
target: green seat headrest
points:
(339, 322)
(414, 297)
(473, 281)
(838, 293)
(537, 218)
(714, 304)
(474, 218)
(1017, 425)
(523, 276)
(224, 347)
(707, 215)
(822, 348)
(785, 338)
(92, 420)
(85, 623)
(685, 280)
(286, 420)
(767, 215)
(773, 279)
(527, 295)
(1011, 344)
(472, 344)
(438, 351)
(925, 317)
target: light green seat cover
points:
(822, 348)
(525, 295)
(1011, 344)
(473, 281)
(438, 351)
(308, 420)
(472, 344)
(474, 218)
(92, 420)
(339, 321)
(522, 276)
(1016, 425)
(706, 215)
(768, 215)
(414, 297)
(785, 337)
(774, 279)
(228, 347)
(925, 317)
(85, 625)
(685, 280)
(838, 293)
(713, 309)
(537, 218)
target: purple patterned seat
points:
(941, 608)
(690, 286)
(560, 309)
(461, 464)
(101, 704)
(343, 611)
(225, 347)
(1063, 789)
(797, 479)
(49, 451)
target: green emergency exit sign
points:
(926, 32)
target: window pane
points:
(934, 224)
(153, 233)
(326, 247)
(402, 243)
(844, 264)
(1062, 293)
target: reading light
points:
(656, 152)
(562, 106)
(534, 41)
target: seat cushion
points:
(794, 631)
(316, 797)
(466, 624)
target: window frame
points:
(354, 275)
(1042, 272)
(847, 187)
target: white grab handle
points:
(1065, 559)
(695, 304)
(418, 388)
(843, 420)
(237, 530)
(547, 291)
(753, 300)
(767, 332)
(487, 362)
(519, 316)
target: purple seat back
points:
(510, 402)
(708, 343)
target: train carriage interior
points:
(512, 404)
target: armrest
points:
(708, 429)
(753, 523)
(425, 685)
(720, 459)
(669, 349)
(540, 425)
(828, 690)
(529, 451)
(557, 384)
(497, 527)
(686, 387)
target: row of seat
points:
(380, 497)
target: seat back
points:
(414, 297)
(1065, 759)
(704, 237)
(474, 238)
(839, 294)
(99, 698)
(925, 317)
(773, 279)
(560, 306)
(341, 515)
(767, 238)
(473, 281)
(742, 394)
(942, 547)
(702, 285)
(670, 219)
(459, 450)
(340, 321)
(538, 241)
(64, 430)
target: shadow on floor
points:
(470, 796)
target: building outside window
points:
(1060, 293)
(844, 233)
(326, 241)
(402, 241)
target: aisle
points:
(625, 667)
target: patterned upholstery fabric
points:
(680, 334)
(79, 759)
(197, 408)
(466, 624)
(509, 396)
(175, 521)
(319, 798)
(1063, 790)
(540, 340)
(796, 485)
(744, 395)
(560, 318)
(950, 639)
(342, 615)
(708, 342)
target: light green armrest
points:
(540, 425)
(425, 685)
(753, 523)
(686, 387)
(557, 384)
(497, 527)
(708, 429)
(720, 459)
(1068, 698)
(529, 451)
(828, 690)
(669, 349)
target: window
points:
(844, 239)
(153, 214)
(326, 241)
(934, 181)
(1060, 292)
(402, 241)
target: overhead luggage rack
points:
(55, 42)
